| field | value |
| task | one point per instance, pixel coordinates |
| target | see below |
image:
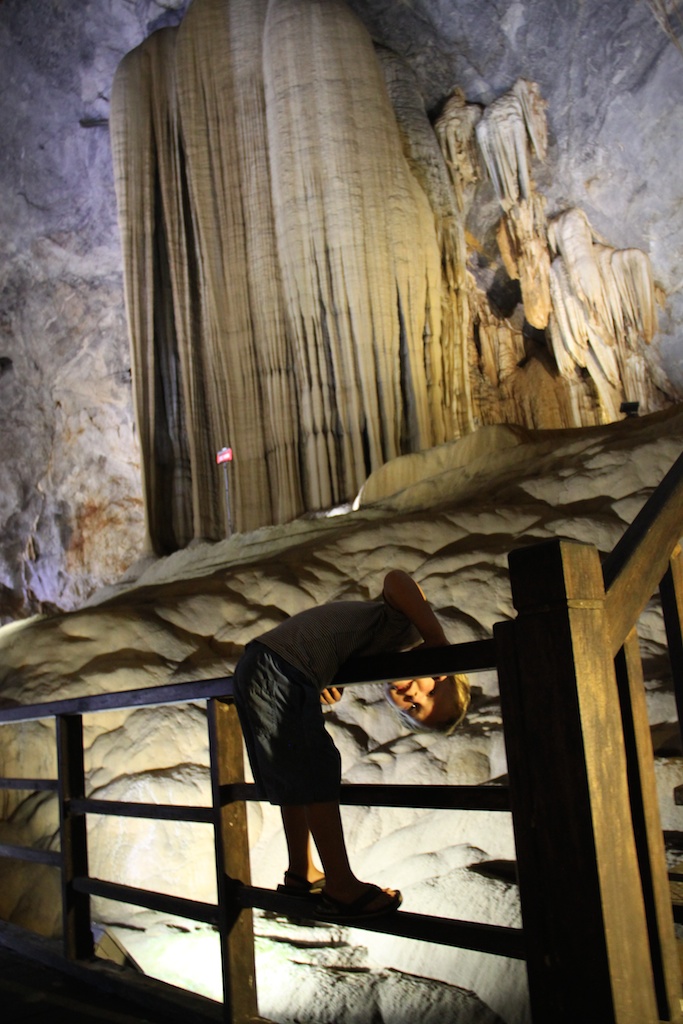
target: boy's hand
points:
(331, 695)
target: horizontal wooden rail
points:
(448, 798)
(633, 570)
(477, 655)
(488, 797)
(468, 657)
(454, 798)
(30, 853)
(193, 910)
(485, 938)
(162, 812)
(151, 696)
(32, 785)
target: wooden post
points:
(232, 863)
(582, 902)
(77, 931)
(647, 828)
(671, 591)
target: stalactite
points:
(603, 312)
(144, 153)
(448, 378)
(522, 242)
(633, 274)
(454, 130)
(357, 249)
(251, 395)
(511, 128)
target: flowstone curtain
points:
(282, 265)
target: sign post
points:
(224, 458)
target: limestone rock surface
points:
(450, 518)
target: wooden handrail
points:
(193, 910)
(379, 668)
(465, 657)
(232, 912)
(486, 938)
(29, 853)
(485, 797)
(145, 697)
(633, 570)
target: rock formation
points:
(296, 267)
(301, 312)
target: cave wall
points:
(71, 497)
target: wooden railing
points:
(595, 900)
(231, 915)
(598, 932)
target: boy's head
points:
(436, 703)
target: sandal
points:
(330, 909)
(301, 888)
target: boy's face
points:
(428, 700)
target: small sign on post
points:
(224, 458)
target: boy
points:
(280, 683)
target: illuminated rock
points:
(603, 313)
(294, 299)
(303, 284)
(449, 516)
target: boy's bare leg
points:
(298, 838)
(325, 825)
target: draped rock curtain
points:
(282, 266)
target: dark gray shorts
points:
(292, 755)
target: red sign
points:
(224, 455)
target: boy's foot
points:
(297, 885)
(373, 902)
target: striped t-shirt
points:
(319, 640)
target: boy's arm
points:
(404, 594)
